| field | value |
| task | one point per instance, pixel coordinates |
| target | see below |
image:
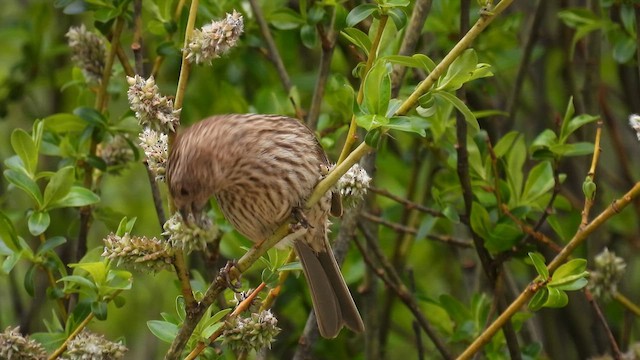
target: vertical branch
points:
(371, 57)
(274, 54)
(100, 105)
(532, 38)
(410, 40)
(328, 40)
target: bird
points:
(261, 169)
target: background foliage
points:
(457, 236)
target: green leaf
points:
(418, 61)
(26, 149)
(64, 123)
(59, 185)
(556, 298)
(357, 38)
(411, 124)
(464, 110)
(539, 182)
(309, 36)
(80, 281)
(538, 262)
(210, 330)
(539, 298)
(78, 196)
(29, 280)
(51, 244)
(359, 13)
(570, 271)
(370, 122)
(505, 144)
(38, 222)
(373, 138)
(285, 19)
(572, 283)
(459, 72)
(576, 149)
(503, 237)
(623, 49)
(91, 116)
(398, 16)
(119, 280)
(10, 262)
(377, 89)
(24, 182)
(574, 124)
(99, 309)
(163, 330)
(292, 266)
(480, 222)
(8, 234)
(97, 270)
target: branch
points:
(395, 284)
(526, 295)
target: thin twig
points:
(395, 284)
(273, 53)
(408, 204)
(628, 304)
(405, 229)
(527, 51)
(328, 44)
(615, 349)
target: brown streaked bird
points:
(262, 169)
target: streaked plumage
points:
(260, 168)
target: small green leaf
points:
(119, 280)
(572, 283)
(219, 315)
(480, 222)
(26, 149)
(8, 234)
(539, 264)
(418, 61)
(78, 196)
(570, 268)
(24, 182)
(97, 270)
(359, 13)
(556, 298)
(10, 262)
(377, 89)
(51, 244)
(539, 298)
(210, 330)
(64, 123)
(91, 116)
(464, 110)
(99, 309)
(71, 281)
(412, 124)
(398, 16)
(574, 124)
(59, 185)
(309, 36)
(370, 122)
(357, 38)
(292, 266)
(373, 138)
(29, 280)
(539, 182)
(285, 19)
(163, 330)
(459, 71)
(575, 149)
(38, 222)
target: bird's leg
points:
(300, 218)
(224, 273)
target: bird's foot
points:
(225, 273)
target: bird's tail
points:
(332, 302)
